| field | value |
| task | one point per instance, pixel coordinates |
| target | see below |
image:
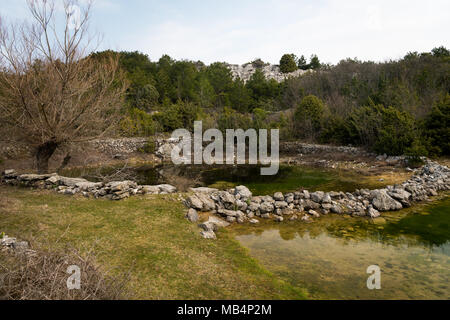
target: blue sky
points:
(239, 31)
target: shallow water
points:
(329, 257)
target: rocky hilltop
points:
(270, 71)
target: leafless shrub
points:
(43, 276)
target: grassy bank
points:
(146, 236)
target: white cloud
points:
(375, 30)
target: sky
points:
(238, 31)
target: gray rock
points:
(208, 234)
(279, 218)
(383, 202)
(86, 186)
(150, 189)
(314, 213)
(373, 213)
(336, 209)
(317, 196)
(326, 198)
(194, 202)
(203, 190)
(266, 207)
(228, 213)
(281, 204)
(254, 221)
(167, 188)
(192, 215)
(254, 206)
(208, 203)
(243, 192)
(34, 177)
(278, 196)
(218, 222)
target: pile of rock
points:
(115, 190)
(13, 245)
(238, 204)
(245, 72)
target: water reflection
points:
(330, 257)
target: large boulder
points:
(208, 234)
(194, 202)
(317, 196)
(266, 207)
(243, 192)
(278, 196)
(192, 215)
(166, 188)
(208, 203)
(383, 202)
(118, 186)
(150, 189)
(70, 182)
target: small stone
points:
(192, 215)
(208, 234)
(279, 218)
(278, 196)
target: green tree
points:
(302, 64)
(315, 62)
(288, 63)
(436, 127)
(220, 77)
(441, 52)
(383, 129)
(308, 117)
(241, 96)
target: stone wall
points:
(238, 204)
(114, 190)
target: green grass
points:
(147, 236)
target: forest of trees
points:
(395, 107)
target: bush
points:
(308, 117)
(137, 123)
(382, 129)
(179, 115)
(288, 63)
(436, 127)
(230, 119)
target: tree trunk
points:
(65, 162)
(43, 154)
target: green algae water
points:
(329, 257)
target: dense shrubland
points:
(394, 107)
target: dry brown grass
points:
(43, 276)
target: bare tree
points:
(52, 92)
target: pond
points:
(330, 256)
(289, 178)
